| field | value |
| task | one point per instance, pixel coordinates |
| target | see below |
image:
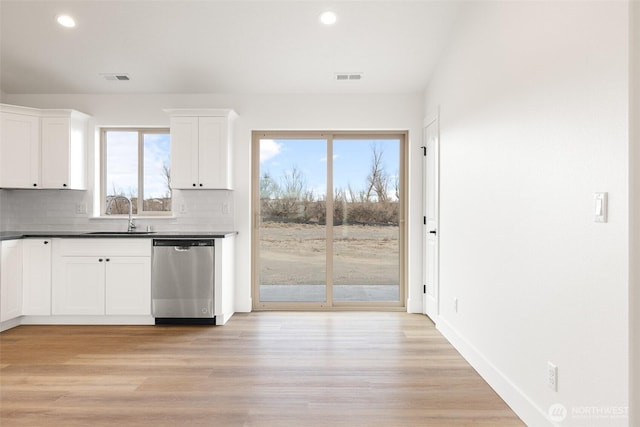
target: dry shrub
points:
(370, 212)
(314, 212)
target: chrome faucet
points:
(131, 225)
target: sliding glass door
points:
(366, 238)
(292, 242)
(328, 229)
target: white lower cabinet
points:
(128, 285)
(10, 280)
(36, 277)
(79, 286)
(102, 276)
(224, 279)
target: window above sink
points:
(135, 163)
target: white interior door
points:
(431, 199)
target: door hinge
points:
(424, 150)
(424, 289)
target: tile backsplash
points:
(3, 213)
(61, 210)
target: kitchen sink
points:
(119, 233)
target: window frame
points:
(141, 131)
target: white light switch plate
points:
(600, 205)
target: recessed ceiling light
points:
(66, 21)
(328, 18)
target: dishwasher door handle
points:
(182, 248)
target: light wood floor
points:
(260, 369)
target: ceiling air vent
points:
(348, 76)
(112, 76)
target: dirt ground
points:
(294, 254)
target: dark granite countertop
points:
(12, 235)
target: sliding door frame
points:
(329, 304)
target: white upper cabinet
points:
(63, 150)
(184, 152)
(19, 150)
(42, 148)
(201, 148)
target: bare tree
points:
(293, 184)
(287, 198)
(269, 188)
(115, 203)
(378, 179)
(396, 185)
(356, 195)
(166, 175)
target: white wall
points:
(634, 294)
(265, 112)
(534, 120)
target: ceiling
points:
(216, 46)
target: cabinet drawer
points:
(103, 247)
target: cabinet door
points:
(55, 152)
(128, 285)
(10, 280)
(184, 152)
(78, 288)
(213, 162)
(36, 277)
(19, 150)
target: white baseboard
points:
(11, 323)
(519, 402)
(223, 318)
(245, 306)
(414, 305)
(87, 320)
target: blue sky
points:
(122, 163)
(351, 160)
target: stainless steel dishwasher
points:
(182, 277)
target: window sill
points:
(136, 218)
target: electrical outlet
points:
(183, 208)
(225, 208)
(455, 304)
(552, 376)
(81, 208)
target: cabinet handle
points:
(200, 184)
(194, 184)
(99, 259)
(107, 260)
(64, 185)
(46, 242)
(35, 185)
